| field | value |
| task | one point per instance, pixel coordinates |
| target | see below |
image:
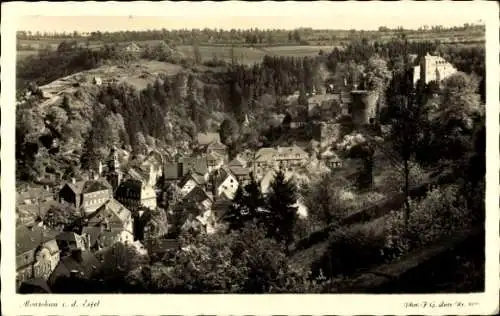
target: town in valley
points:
(251, 161)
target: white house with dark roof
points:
(115, 220)
(224, 182)
(238, 168)
(289, 158)
(86, 195)
(190, 181)
(211, 143)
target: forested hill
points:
(167, 104)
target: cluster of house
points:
(106, 199)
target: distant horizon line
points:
(393, 28)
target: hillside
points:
(66, 114)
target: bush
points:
(350, 249)
(442, 212)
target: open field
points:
(245, 55)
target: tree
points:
(324, 202)
(361, 146)
(243, 261)
(377, 74)
(57, 117)
(282, 212)
(247, 205)
(228, 131)
(59, 216)
(119, 259)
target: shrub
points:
(442, 212)
(349, 250)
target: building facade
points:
(433, 68)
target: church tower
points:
(114, 174)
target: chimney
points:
(73, 180)
(74, 273)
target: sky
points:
(88, 17)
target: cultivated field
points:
(245, 55)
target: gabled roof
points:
(239, 171)
(197, 195)
(216, 145)
(207, 138)
(237, 162)
(129, 185)
(291, 152)
(136, 174)
(133, 46)
(86, 268)
(220, 175)
(88, 186)
(117, 214)
(76, 187)
(265, 154)
(197, 164)
(199, 179)
(119, 210)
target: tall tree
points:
(282, 215)
(247, 205)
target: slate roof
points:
(86, 268)
(129, 185)
(172, 172)
(118, 214)
(197, 195)
(207, 138)
(120, 211)
(239, 171)
(77, 187)
(197, 164)
(89, 186)
(93, 232)
(29, 239)
(220, 175)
